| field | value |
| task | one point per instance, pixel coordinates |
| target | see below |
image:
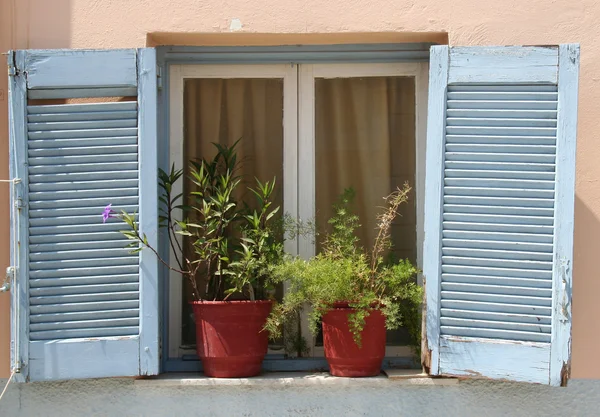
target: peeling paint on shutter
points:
(499, 197)
(83, 305)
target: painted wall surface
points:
(137, 23)
(122, 397)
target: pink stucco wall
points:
(137, 23)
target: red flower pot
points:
(230, 339)
(344, 356)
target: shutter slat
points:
(70, 213)
(499, 201)
(470, 217)
(87, 133)
(500, 140)
(83, 289)
(480, 173)
(501, 148)
(502, 104)
(497, 325)
(501, 113)
(75, 238)
(501, 122)
(499, 157)
(84, 272)
(82, 108)
(83, 202)
(87, 333)
(496, 262)
(496, 271)
(82, 253)
(83, 263)
(497, 192)
(494, 307)
(90, 245)
(497, 298)
(83, 159)
(77, 307)
(503, 95)
(502, 280)
(81, 116)
(77, 142)
(497, 236)
(81, 125)
(84, 185)
(84, 298)
(528, 247)
(72, 229)
(94, 169)
(65, 195)
(42, 154)
(498, 254)
(92, 280)
(84, 324)
(500, 166)
(495, 334)
(495, 227)
(483, 209)
(504, 317)
(495, 289)
(85, 176)
(85, 315)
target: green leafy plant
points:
(227, 243)
(345, 272)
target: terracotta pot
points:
(344, 356)
(230, 339)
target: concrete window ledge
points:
(297, 379)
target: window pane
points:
(365, 139)
(223, 111)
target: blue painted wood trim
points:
(398, 52)
(434, 170)
(17, 98)
(149, 348)
(277, 364)
(562, 276)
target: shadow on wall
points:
(586, 292)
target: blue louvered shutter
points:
(499, 207)
(83, 306)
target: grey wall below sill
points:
(120, 397)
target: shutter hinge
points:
(159, 77)
(11, 272)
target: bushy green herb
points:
(343, 271)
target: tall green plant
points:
(344, 271)
(227, 244)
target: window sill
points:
(297, 379)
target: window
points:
(493, 213)
(319, 128)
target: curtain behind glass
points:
(365, 139)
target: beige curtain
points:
(225, 110)
(365, 139)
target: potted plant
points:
(227, 245)
(355, 293)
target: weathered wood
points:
(560, 360)
(438, 80)
(503, 64)
(56, 69)
(149, 353)
(479, 358)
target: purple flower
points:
(107, 213)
